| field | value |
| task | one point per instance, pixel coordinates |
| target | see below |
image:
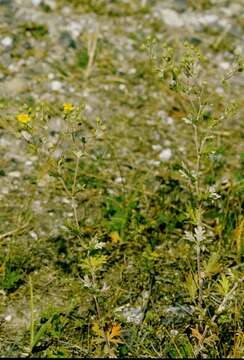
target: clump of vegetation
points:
(121, 235)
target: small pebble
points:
(165, 154)
(7, 41)
(14, 174)
(56, 85)
(8, 318)
(156, 147)
(36, 2)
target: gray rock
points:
(172, 18)
(13, 87)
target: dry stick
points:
(73, 190)
(32, 320)
(92, 45)
(12, 232)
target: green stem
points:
(32, 321)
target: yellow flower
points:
(23, 118)
(68, 107)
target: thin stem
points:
(32, 324)
(199, 273)
(100, 321)
(98, 309)
(15, 231)
(198, 153)
(71, 193)
(92, 45)
(75, 213)
(73, 190)
(75, 175)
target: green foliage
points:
(36, 30)
(129, 254)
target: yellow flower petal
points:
(23, 118)
(115, 331)
(68, 107)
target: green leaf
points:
(42, 331)
(213, 266)
(191, 286)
